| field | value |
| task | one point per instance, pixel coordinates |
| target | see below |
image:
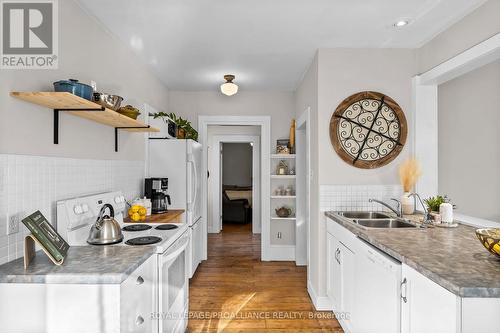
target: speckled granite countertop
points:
(451, 257)
(83, 265)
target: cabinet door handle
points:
(139, 320)
(404, 294)
(140, 280)
(337, 256)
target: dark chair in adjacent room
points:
(236, 210)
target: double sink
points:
(376, 220)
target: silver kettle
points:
(106, 230)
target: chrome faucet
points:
(427, 215)
(398, 210)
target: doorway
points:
(263, 123)
(235, 183)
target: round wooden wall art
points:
(368, 130)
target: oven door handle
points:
(178, 251)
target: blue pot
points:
(76, 88)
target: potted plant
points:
(184, 128)
(433, 204)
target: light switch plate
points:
(13, 224)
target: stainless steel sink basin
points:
(365, 215)
(384, 223)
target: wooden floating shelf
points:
(65, 101)
(283, 196)
(283, 156)
(80, 107)
(283, 176)
(283, 218)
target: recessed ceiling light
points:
(401, 23)
(136, 43)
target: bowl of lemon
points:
(490, 238)
(137, 213)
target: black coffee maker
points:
(156, 190)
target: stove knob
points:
(117, 199)
(85, 208)
(122, 198)
(78, 209)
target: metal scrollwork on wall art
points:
(368, 130)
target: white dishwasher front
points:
(378, 291)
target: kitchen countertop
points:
(110, 264)
(451, 257)
(172, 216)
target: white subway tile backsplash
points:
(355, 197)
(30, 183)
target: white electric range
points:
(74, 220)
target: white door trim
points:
(303, 198)
(425, 105)
(217, 140)
(265, 166)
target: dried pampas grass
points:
(409, 172)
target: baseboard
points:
(300, 263)
(321, 303)
(280, 253)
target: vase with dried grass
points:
(409, 173)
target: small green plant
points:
(433, 203)
(182, 124)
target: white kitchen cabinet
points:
(347, 264)
(426, 307)
(81, 308)
(137, 301)
(340, 280)
(333, 272)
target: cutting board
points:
(172, 216)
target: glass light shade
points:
(229, 88)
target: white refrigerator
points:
(180, 162)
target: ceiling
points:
(267, 44)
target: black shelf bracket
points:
(116, 133)
(56, 119)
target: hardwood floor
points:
(234, 292)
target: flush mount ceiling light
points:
(229, 88)
(401, 23)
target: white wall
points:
(461, 174)
(30, 183)
(34, 172)
(469, 160)
(306, 96)
(237, 164)
(334, 75)
(191, 104)
(86, 52)
(344, 72)
(476, 27)
(278, 105)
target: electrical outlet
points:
(13, 224)
(278, 235)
